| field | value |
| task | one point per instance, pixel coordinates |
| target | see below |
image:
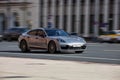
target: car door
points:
(41, 39)
(32, 38)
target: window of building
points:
(65, 2)
(82, 24)
(110, 21)
(57, 21)
(91, 23)
(65, 22)
(119, 22)
(111, 2)
(57, 3)
(74, 2)
(57, 8)
(111, 6)
(100, 23)
(101, 2)
(49, 3)
(82, 2)
(16, 19)
(101, 6)
(2, 22)
(73, 23)
(41, 13)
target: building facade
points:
(14, 13)
(86, 17)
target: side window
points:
(41, 33)
(33, 32)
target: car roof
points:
(47, 29)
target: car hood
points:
(70, 39)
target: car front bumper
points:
(72, 47)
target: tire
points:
(52, 47)
(24, 47)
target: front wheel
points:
(52, 47)
(24, 47)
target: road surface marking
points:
(112, 50)
(110, 59)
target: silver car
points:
(52, 40)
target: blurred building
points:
(14, 13)
(86, 17)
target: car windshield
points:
(56, 32)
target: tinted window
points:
(56, 33)
(33, 32)
(40, 33)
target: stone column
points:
(45, 13)
(78, 17)
(69, 16)
(106, 16)
(61, 14)
(96, 20)
(87, 17)
(116, 14)
(53, 15)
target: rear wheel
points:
(52, 47)
(24, 47)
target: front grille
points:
(70, 47)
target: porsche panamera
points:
(52, 40)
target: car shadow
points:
(33, 52)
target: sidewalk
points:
(39, 69)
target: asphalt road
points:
(96, 53)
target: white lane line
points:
(77, 57)
(109, 59)
(93, 45)
(112, 50)
(12, 46)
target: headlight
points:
(61, 40)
